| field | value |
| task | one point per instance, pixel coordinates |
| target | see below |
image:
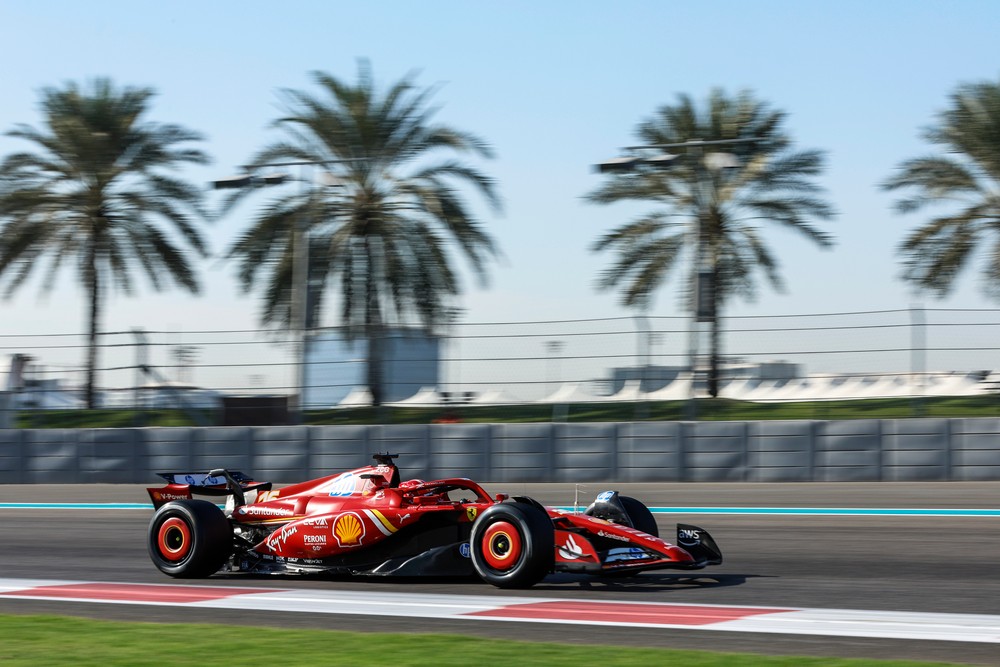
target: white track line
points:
(980, 628)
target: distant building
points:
(334, 365)
(24, 389)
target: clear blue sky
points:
(554, 87)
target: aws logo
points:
(349, 530)
(689, 537)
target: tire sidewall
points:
(535, 539)
(209, 533)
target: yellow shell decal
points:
(471, 512)
(349, 529)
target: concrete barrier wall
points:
(789, 451)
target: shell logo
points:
(349, 529)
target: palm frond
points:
(965, 182)
(722, 206)
(399, 203)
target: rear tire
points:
(513, 545)
(640, 516)
(189, 539)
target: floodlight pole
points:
(299, 304)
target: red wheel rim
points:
(501, 545)
(174, 539)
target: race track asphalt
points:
(897, 563)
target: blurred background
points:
(572, 163)
(880, 363)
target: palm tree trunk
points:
(713, 301)
(375, 356)
(713, 306)
(94, 287)
(373, 333)
(713, 363)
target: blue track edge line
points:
(759, 511)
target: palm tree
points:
(381, 234)
(98, 193)
(711, 199)
(966, 182)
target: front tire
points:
(513, 545)
(189, 539)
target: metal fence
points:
(521, 361)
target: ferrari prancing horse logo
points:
(471, 512)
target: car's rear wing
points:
(220, 482)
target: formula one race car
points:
(368, 522)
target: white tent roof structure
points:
(426, 397)
(829, 388)
(765, 391)
(849, 388)
(896, 386)
(358, 397)
(570, 393)
(738, 390)
(630, 391)
(810, 388)
(820, 388)
(958, 384)
(796, 389)
(678, 390)
(494, 397)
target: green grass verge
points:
(49, 640)
(108, 418)
(706, 410)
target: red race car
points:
(368, 522)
